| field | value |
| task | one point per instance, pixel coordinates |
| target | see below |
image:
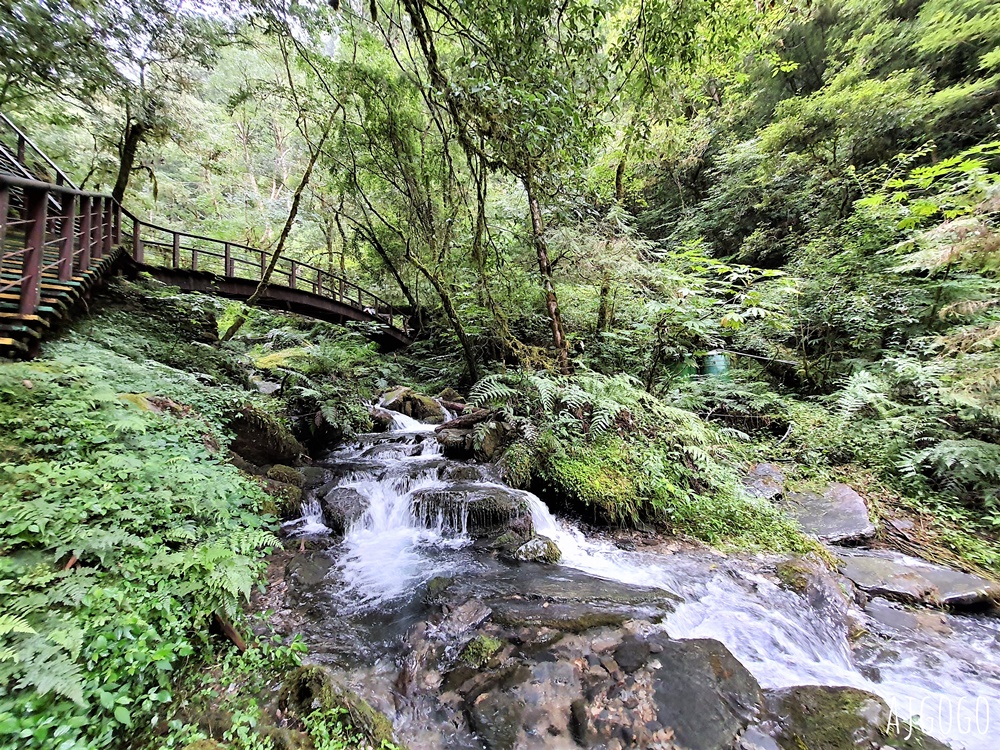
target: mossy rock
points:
(286, 499)
(841, 718)
(312, 688)
(478, 510)
(509, 540)
(794, 574)
(450, 394)
(261, 439)
(437, 587)
(286, 475)
(417, 405)
(539, 549)
(480, 650)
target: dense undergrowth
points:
(126, 534)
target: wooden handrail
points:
(85, 226)
(23, 140)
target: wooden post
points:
(108, 225)
(341, 298)
(118, 224)
(85, 216)
(229, 269)
(263, 263)
(176, 254)
(96, 240)
(194, 258)
(319, 282)
(68, 237)
(37, 203)
(293, 275)
(137, 253)
(20, 149)
(4, 209)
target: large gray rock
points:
(704, 694)
(897, 617)
(342, 506)
(456, 443)
(840, 718)
(538, 549)
(496, 718)
(838, 515)
(417, 405)
(480, 511)
(909, 579)
(765, 480)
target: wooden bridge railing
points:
(154, 245)
(50, 230)
(39, 241)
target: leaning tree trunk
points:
(134, 133)
(545, 271)
(456, 322)
(293, 211)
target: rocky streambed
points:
(472, 618)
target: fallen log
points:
(230, 632)
(466, 420)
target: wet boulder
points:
(826, 592)
(703, 694)
(416, 405)
(765, 480)
(539, 549)
(894, 617)
(911, 580)
(840, 718)
(456, 443)
(480, 511)
(286, 475)
(342, 506)
(838, 515)
(496, 718)
(381, 418)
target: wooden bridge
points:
(60, 243)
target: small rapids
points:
(947, 677)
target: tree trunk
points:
(452, 314)
(604, 306)
(545, 271)
(293, 211)
(134, 133)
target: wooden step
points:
(8, 343)
(21, 329)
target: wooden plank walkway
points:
(59, 243)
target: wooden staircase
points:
(58, 243)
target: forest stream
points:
(414, 600)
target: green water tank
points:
(716, 365)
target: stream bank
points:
(410, 589)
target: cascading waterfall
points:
(390, 550)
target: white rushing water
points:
(947, 682)
(949, 679)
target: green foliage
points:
(123, 530)
(480, 650)
(331, 730)
(577, 436)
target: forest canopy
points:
(655, 241)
